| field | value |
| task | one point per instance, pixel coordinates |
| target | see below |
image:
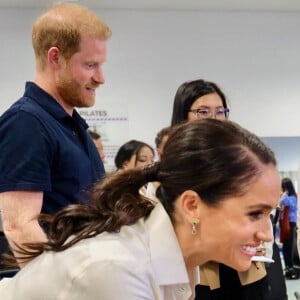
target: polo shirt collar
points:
(49, 104)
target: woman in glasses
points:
(201, 99)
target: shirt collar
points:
(167, 259)
(48, 103)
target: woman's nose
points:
(266, 232)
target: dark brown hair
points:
(214, 158)
(161, 134)
(94, 135)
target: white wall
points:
(254, 57)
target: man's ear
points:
(54, 57)
(189, 202)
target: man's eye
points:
(90, 65)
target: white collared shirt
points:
(142, 261)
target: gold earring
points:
(194, 225)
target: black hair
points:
(188, 93)
(125, 152)
(288, 186)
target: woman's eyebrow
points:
(261, 206)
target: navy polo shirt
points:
(42, 148)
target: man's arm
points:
(19, 211)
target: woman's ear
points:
(189, 203)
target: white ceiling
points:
(224, 5)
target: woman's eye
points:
(203, 112)
(255, 215)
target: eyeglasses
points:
(206, 113)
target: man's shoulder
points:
(25, 104)
(25, 110)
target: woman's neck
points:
(194, 279)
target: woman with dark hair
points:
(121, 246)
(288, 204)
(126, 155)
(134, 154)
(201, 99)
(196, 99)
(144, 155)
